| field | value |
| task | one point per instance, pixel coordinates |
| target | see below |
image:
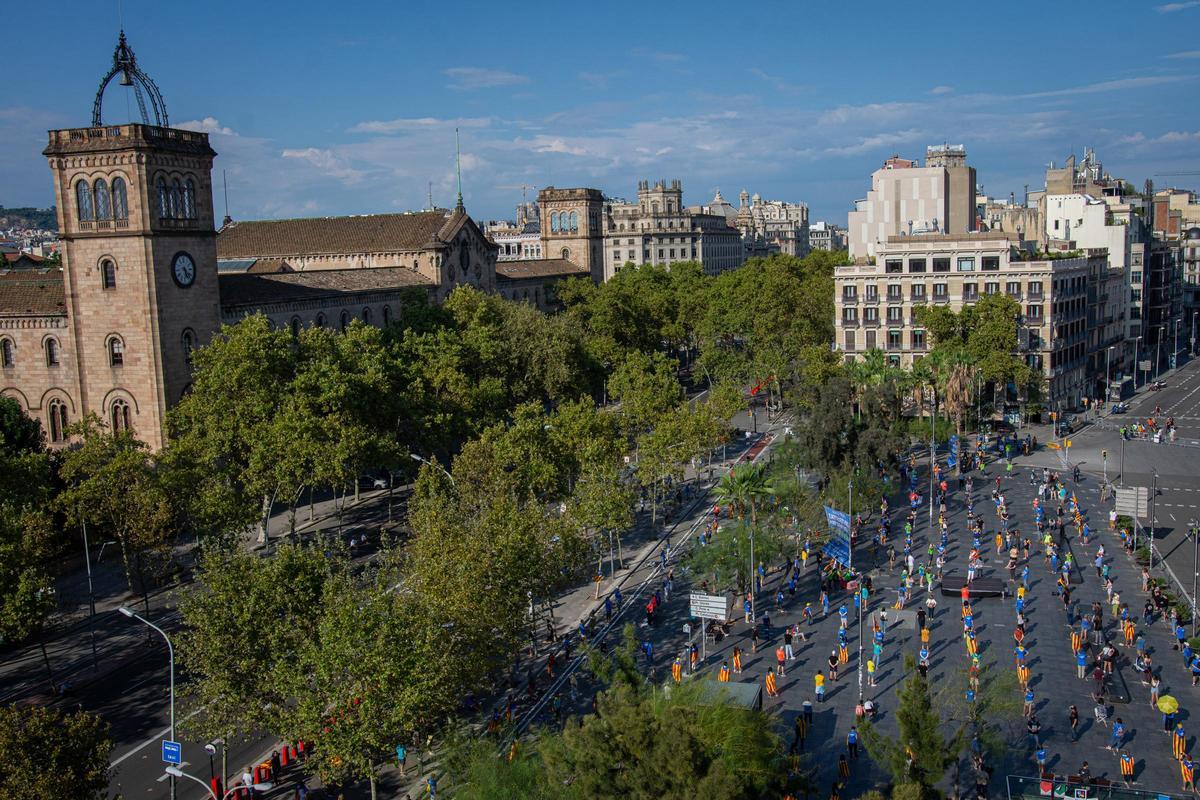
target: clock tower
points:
(135, 218)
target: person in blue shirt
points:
(1040, 755)
(1118, 733)
(1081, 663)
(1028, 710)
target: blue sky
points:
(319, 108)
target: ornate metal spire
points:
(125, 63)
(458, 167)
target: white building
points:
(826, 236)
(516, 242)
(907, 199)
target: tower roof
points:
(125, 63)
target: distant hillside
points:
(43, 218)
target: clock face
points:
(183, 270)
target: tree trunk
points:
(268, 501)
(49, 672)
(372, 773)
(126, 564)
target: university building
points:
(147, 278)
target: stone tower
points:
(135, 218)
(572, 222)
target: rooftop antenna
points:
(430, 189)
(458, 167)
(225, 183)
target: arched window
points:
(116, 351)
(188, 342)
(118, 416)
(6, 353)
(554, 222)
(189, 199)
(108, 274)
(320, 320)
(83, 199)
(164, 199)
(565, 254)
(176, 205)
(57, 417)
(120, 200)
(52, 352)
(387, 315)
(344, 321)
(416, 264)
(366, 315)
(295, 327)
(574, 224)
(103, 200)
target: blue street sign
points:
(172, 753)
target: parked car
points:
(1067, 426)
(1118, 408)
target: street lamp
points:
(129, 612)
(434, 464)
(176, 772)
(1137, 356)
(1194, 530)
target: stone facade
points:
(571, 227)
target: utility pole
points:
(932, 456)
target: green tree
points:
(247, 624)
(920, 753)
(646, 387)
(20, 434)
(45, 753)
(112, 484)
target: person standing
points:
(723, 674)
(1118, 733)
(781, 661)
(1179, 741)
(1187, 771)
(833, 666)
(819, 681)
(772, 690)
(737, 660)
(852, 742)
(1127, 767)
(1073, 714)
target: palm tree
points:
(743, 487)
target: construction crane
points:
(524, 187)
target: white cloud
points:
(467, 78)
(1170, 8)
(546, 144)
(1183, 55)
(206, 125)
(416, 124)
(868, 143)
(942, 90)
(659, 55)
(1109, 86)
(780, 83)
(327, 163)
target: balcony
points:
(871, 299)
(871, 323)
(941, 298)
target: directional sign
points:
(1133, 501)
(709, 606)
(172, 753)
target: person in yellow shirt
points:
(819, 681)
(870, 672)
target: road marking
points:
(164, 776)
(156, 738)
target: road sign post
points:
(172, 752)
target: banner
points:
(838, 520)
(838, 550)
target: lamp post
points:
(1194, 530)
(434, 464)
(129, 612)
(1108, 376)
(176, 772)
(1137, 357)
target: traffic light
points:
(1053, 416)
(1104, 454)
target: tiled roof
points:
(371, 233)
(32, 293)
(269, 265)
(30, 258)
(260, 289)
(538, 268)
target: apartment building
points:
(906, 198)
(874, 303)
